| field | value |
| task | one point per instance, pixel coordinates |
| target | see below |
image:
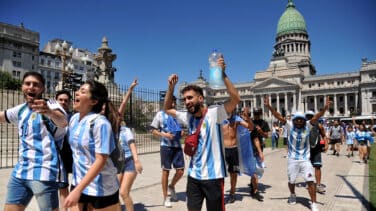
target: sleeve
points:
(221, 113)
(129, 136)
(155, 124)
(11, 115)
(183, 117)
(103, 136)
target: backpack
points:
(117, 155)
(314, 135)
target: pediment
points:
(274, 83)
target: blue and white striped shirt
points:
(298, 141)
(208, 162)
(39, 158)
(126, 136)
(167, 124)
(85, 142)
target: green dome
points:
(291, 21)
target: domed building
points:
(291, 83)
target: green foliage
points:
(8, 82)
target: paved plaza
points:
(345, 178)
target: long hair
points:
(113, 116)
(98, 92)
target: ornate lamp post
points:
(64, 53)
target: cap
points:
(298, 115)
(257, 110)
(310, 112)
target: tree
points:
(8, 82)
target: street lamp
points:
(64, 53)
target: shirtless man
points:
(231, 150)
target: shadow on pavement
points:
(358, 194)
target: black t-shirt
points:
(263, 125)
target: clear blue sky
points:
(154, 38)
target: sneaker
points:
(314, 207)
(337, 154)
(173, 195)
(320, 189)
(292, 199)
(167, 202)
(230, 199)
(257, 196)
(334, 152)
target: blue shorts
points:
(129, 165)
(172, 156)
(20, 192)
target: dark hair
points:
(98, 92)
(34, 74)
(66, 92)
(113, 116)
(195, 88)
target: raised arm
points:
(126, 98)
(232, 91)
(319, 114)
(248, 123)
(2, 117)
(275, 113)
(172, 81)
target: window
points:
(32, 58)
(42, 61)
(16, 64)
(32, 67)
(16, 54)
(48, 62)
(16, 74)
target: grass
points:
(268, 143)
(372, 178)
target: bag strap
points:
(201, 120)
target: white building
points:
(291, 83)
(19, 49)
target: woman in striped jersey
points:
(94, 181)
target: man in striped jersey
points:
(299, 150)
(207, 169)
(41, 125)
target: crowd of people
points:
(56, 142)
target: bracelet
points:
(224, 74)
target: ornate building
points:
(291, 83)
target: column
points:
(278, 103)
(286, 102)
(345, 104)
(270, 101)
(294, 102)
(335, 104)
(356, 101)
(315, 101)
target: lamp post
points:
(64, 53)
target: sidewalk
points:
(345, 178)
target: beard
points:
(195, 108)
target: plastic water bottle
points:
(215, 74)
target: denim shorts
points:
(21, 191)
(129, 165)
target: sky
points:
(155, 38)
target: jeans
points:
(20, 192)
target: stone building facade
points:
(19, 49)
(291, 83)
